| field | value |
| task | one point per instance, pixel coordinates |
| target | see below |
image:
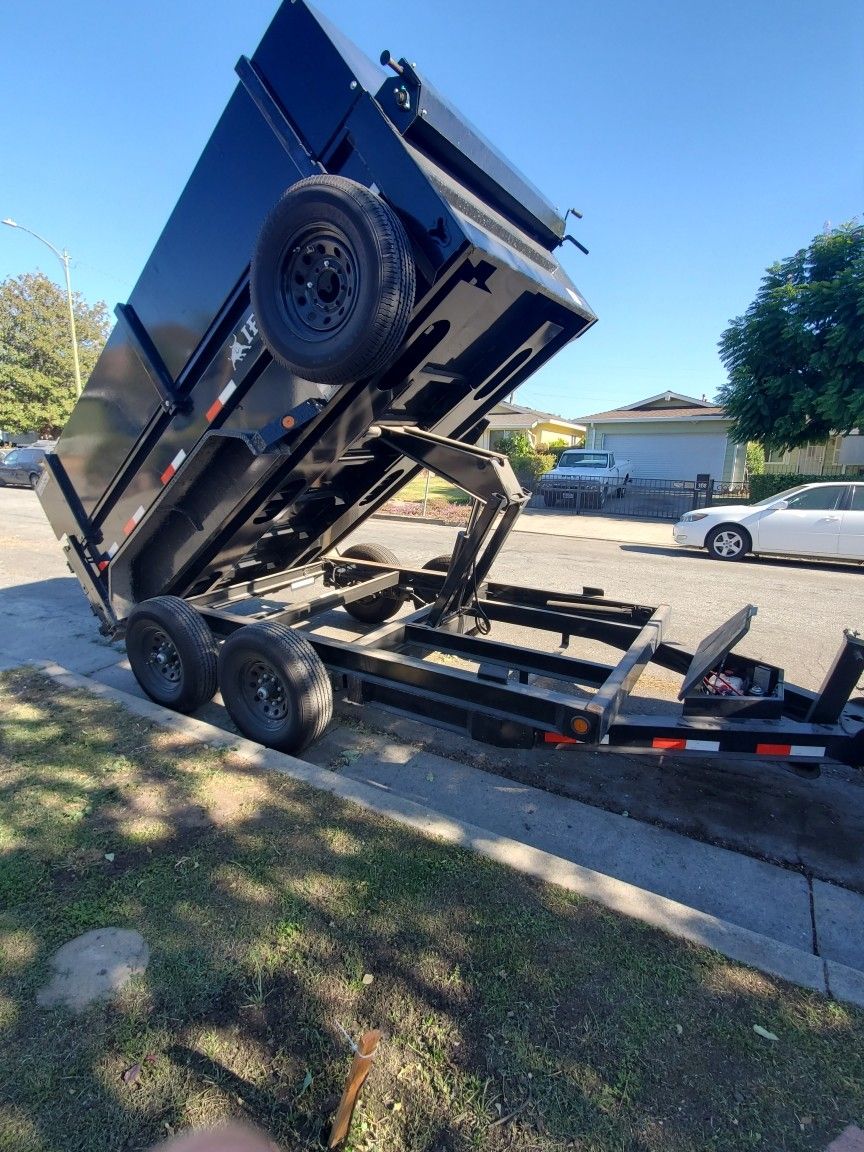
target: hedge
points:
(766, 484)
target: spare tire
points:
(332, 281)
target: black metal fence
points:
(644, 498)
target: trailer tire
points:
(438, 564)
(380, 607)
(728, 542)
(332, 281)
(275, 686)
(172, 653)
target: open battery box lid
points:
(715, 647)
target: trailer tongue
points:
(350, 281)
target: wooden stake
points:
(360, 1066)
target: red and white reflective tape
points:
(220, 401)
(789, 750)
(133, 521)
(173, 466)
(110, 554)
(682, 744)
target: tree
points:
(37, 377)
(755, 459)
(796, 357)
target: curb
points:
(739, 944)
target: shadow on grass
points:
(515, 1015)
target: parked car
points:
(22, 467)
(585, 472)
(812, 520)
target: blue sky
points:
(702, 141)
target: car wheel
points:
(728, 542)
(34, 479)
(332, 281)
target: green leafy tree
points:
(755, 459)
(37, 376)
(796, 357)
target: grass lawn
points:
(439, 490)
(516, 1016)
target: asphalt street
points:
(803, 607)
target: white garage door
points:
(677, 457)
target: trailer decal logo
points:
(237, 349)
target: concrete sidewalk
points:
(625, 529)
(774, 919)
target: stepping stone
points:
(851, 1139)
(93, 967)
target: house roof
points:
(668, 397)
(630, 416)
(664, 406)
(506, 415)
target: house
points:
(542, 427)
(836, 456)
(669, 436)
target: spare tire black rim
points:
(318, 282)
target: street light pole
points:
(63, 257)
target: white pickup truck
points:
(585, 475)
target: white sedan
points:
(813, 520)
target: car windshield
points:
(779, 496)
(583, 460)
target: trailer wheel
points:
(332, 281)
(172, 653)
(380, 607)
(728, 542)
(275, 687)
(438, 564)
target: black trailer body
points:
(350, 281)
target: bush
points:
(530, 468)
(755, 459)
(761, 487)
(556, 448)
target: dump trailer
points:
(352, 278)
